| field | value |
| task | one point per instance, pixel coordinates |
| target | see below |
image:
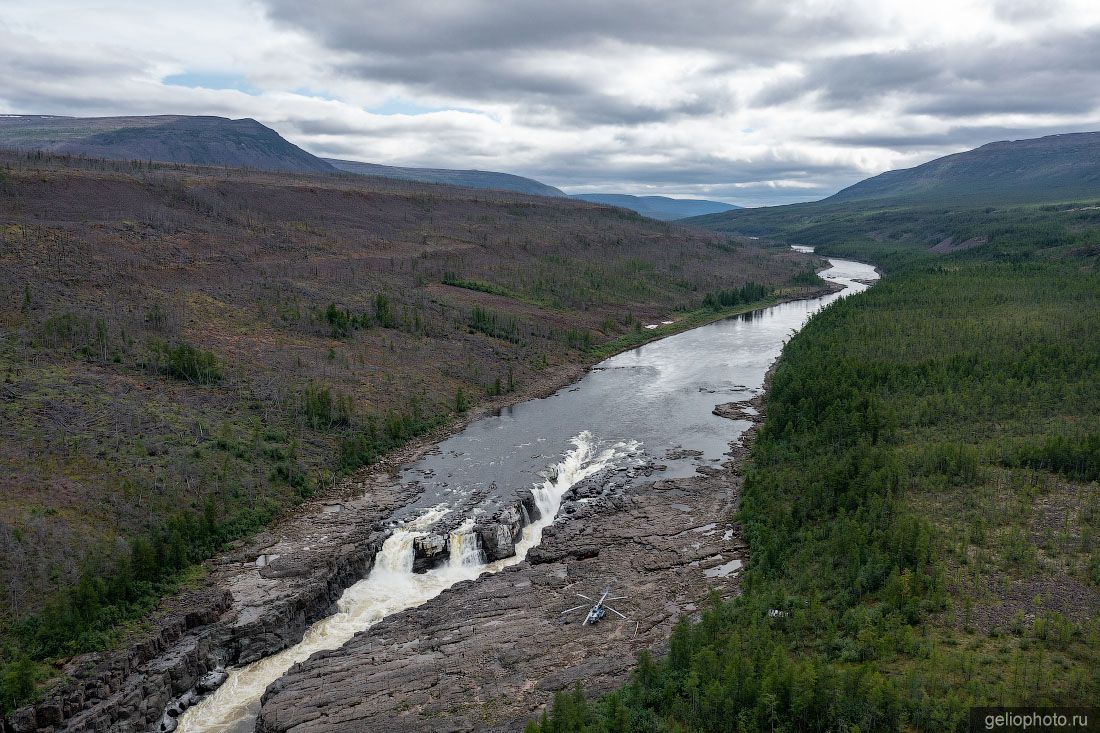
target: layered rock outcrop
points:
(257, 600)
(487, 654)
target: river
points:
(653, 403)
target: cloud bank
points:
(749, 102)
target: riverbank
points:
(921, 508)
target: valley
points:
(619, 492)
(304, 444)
(189, 353)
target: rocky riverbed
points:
(490, 653)
(485, 653)
(253, 602)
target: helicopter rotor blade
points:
(574, 608)
(609, 608)
(615, 598)
(582, 595)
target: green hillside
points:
(1045, 187)
(921, 504)
(1053, 168)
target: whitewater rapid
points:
(392, 586)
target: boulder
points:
(732, 411)
(529, 505)
(429, 551)
(497, 540)
(512, 518)
(212, 681)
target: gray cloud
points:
(523, 54)
(498, 76)
(748, 27)
(752, 101)
(969, 137)
(505, 52)
(1043, 75)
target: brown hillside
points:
(300, 289)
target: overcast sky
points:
(748, 102)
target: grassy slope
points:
(921, 502)
(1003, 231)
(1053, 168)
(323, 309)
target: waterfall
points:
(392, 587)
(464, 550)
(577, 465)
(396, 555)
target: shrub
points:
(383, 312)
(324, 410)
(378, 436)
(342, 322)
(184, 361)
(17, 682)
(1075, 456)
(748, 293)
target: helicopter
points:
(597, 611)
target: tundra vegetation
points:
(186, 353)
(921, 502)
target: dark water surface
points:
(659, 396)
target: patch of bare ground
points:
(1029, 557)
(949, 245)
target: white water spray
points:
(391, 587)
(577, 465)
(463, 545)
(385, 591)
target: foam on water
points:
(392, 586)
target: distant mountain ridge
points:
(1006, 201)
(446, 176)
(1045, 170)
(220, 141)
(1049, 168)
(246, 143)
(659, 207)
(195, 140)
